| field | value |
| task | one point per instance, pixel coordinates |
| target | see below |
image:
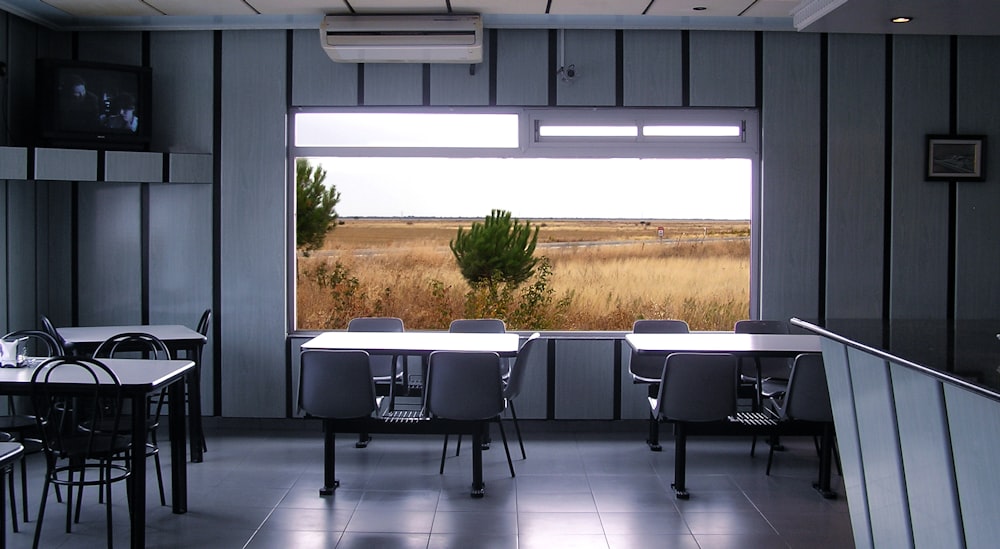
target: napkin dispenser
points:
(12, 352)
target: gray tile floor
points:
(582, 485)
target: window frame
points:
(746, 146)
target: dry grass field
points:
(607, 273)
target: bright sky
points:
(617, 188)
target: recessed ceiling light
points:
(902, 19)
(699, 8)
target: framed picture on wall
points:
(955, 158)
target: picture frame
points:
(955, 158)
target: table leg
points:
(138, 514)
(478, 488)
(194, 406)
(825, 463)
(330, 482)
(178, 457)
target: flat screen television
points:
(93, 105)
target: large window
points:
(640, 214)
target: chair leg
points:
(680, 461)
(517, 428)
(444, 451)
(41, 511)
(107, 491)
(503, 435)
(13, 502)
(24, 490)
(653, 439)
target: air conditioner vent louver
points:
(403, 39)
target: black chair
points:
(152, 348)
(203, 326)
(647, 369)
(807, 398)
(694, 387)
(10, 451)
(386, 371)
(762, 377)
(465, 386)
(22, 426)
(80, 457)
(67, 347)
(336, 385)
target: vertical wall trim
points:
(685, 68)
(493, 68)
(888, 185)
(758, 72)
(550, 386)
(553, 66)
(290, 185)
(218, 314)
(616, 407)
(74, 253)
(426, 81)
(361, 83)
(619, 69)
(144, 251)
(824, 83)
(952, 187)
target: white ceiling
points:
(978, 17)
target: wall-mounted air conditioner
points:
(403, 38)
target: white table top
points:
(415, 343)
(134, 373)
(723, 342)
(98, 334)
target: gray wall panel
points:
(135, 167)
(971, 418)
(977, 263)
(856, 174)
(110, 250)
(183, 110)
(584, 379)
(394, 84)
(252, 250)
(180, 233)
(451, 83)
(4, 280)
(110, 47)
(55, 238)
(522, 67)
(592, 52)
(930, 483)
(919, 268)
(723, 69)
(790, 166)
(652, 68)
(316, 79)
(879, 443)
(21, 251)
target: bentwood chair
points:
(67, 347)
(694, 387)
(647, 369)
(151, 348)
(807, 398)
(80, 457)
(465, 386)
(21, 426)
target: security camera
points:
(571, 71)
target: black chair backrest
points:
(381, 365)
(336, 384)
(463, 385)
(477, 326)
(698, 387)
(38, 343)
(527, 354)
(98, 400)
(203, 323)
(770, 367)
(648, 368)
(47, 327)
(127, 342)
(807, 397)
